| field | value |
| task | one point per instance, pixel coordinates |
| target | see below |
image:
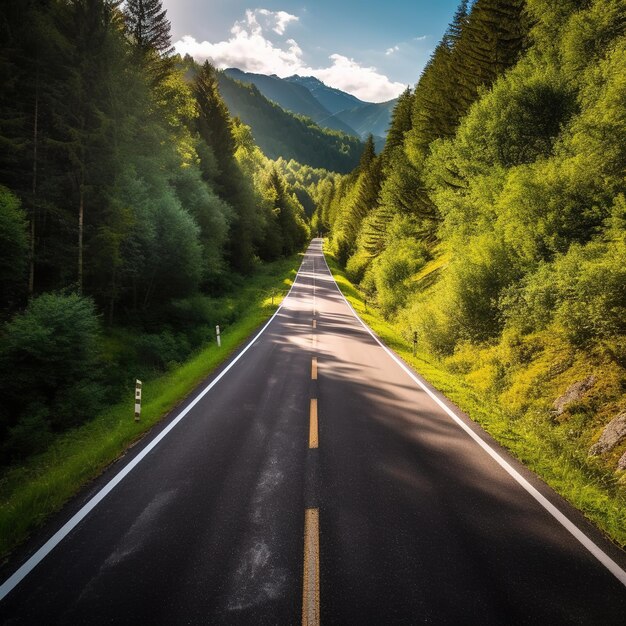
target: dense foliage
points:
(125, 205)
(493, 223)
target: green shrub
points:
(583, 291)
(394, 268)
(49, 358)
(161, 350)
(357, 266)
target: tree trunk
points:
(113, 294)
(31, 260)
(81, 211)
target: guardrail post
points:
(138, 385)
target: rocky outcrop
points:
(573, 394)
(613, 433)
(621, 464)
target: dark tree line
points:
(119, 182)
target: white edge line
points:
(594, 549)
(23, 571)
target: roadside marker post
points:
(138, 385)
(414, 343)
(219, 338)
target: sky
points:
(373, 50)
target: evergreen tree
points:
(288, 211)
(476, 48)
(362, 200)
(215, 128)
(149, 30)
(146, 21)
(490, 42)
(459, 20)
(82, 125)
(401, 122)
(214, 125)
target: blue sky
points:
(370, 49)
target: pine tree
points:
(401, 122)
(214, 123)
(491, 39)
(215, 128)
(459, 20)
(476, 48)
(149, 31)
(146, 21)
(361, 201)
(82, 118)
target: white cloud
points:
(250, 49)
(282, 19)
(365, 83)
(274, 20)
(391, 50)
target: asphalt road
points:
(317, 480)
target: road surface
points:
(314, 479)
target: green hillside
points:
(282, 134)
(373, 118)
(493, 225)
(292, 97)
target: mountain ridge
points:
(332, 99)
(280, 133)
(326, 106)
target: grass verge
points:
(32, 491)
(590, 490)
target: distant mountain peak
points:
(331, 98)
(327, 106)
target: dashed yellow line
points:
(314, 368)
(311, 584)
(314, 323)
(313, 439)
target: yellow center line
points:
(313, 440)
(311, 584)
(314, 368)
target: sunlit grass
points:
(31, 492)
(529, 438)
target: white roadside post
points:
(137, 400)
(219, 339)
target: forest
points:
(131, 201)
(492, 225)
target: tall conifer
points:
(148, 24)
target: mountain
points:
(369, 118)
(333, 100)
(292, 97)
(282, 134)
(327, 106)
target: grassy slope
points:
(31, 492)
(583, 483)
